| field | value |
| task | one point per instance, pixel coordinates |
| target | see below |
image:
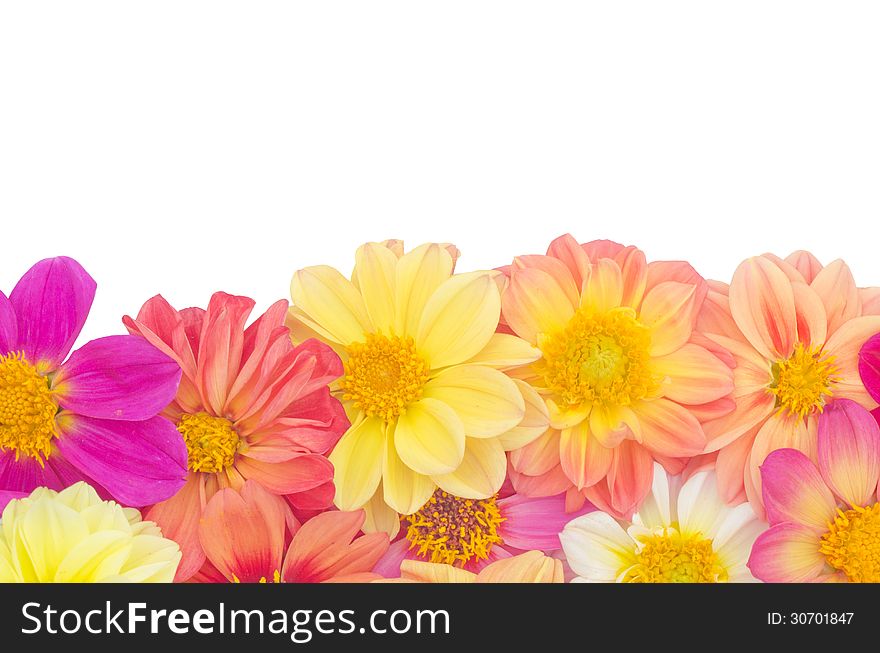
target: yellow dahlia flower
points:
(73, 536)
(423, 386)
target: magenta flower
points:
(869, 366)
(91, 417)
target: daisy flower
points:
(250, 406)
(73, 536)
(795, 329)
(825, 519)
(473, 533)
(91, 416)
(245, 534)
(422, 387)
(684, 533)
(528, 567)
(626, 377)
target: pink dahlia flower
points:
(91, 416)
(250, 406)
(825, 518)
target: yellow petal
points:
(404, 489)
(429, 437)
(98, 556)
(379, 516)
(47, 531)
(481, 472)
(528, 567)
(375, 274)
(504, 351)
(535, 303)
(603, 286)
(459, 319)
(487, 402)
(331, 302)
(533, 424)
(432, 572)
(668, 310)
(357, 461)
(419, 274)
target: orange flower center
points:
(803, 382)
(852, 543)
(27, 409)
(601, 359)
(384, 375)
(452, 530)
(211, 442)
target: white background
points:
(185, 147)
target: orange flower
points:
(529, 567)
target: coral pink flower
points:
(90, 416)
(795, 329)
(250, 406)
(473, 533)
(825, 519)
(244, 535)
(626, 377)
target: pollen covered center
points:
(384, 375)
(670, 557)
(452, 530)
(803, 382)
(211, 442)
(601, 359)
(27, 409)
(852, 543)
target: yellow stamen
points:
(670, 557)
(803, 382)
(852, 543)
(384, 375)
(276, 578)
(210, 441)
(601, 359)
(453, 530)
(27, 409)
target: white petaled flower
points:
(684, 533)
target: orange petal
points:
(693, 375)
(534, 303)
(668, 309)
(669, 429)
(762, 304)
(837, 289)
(583, 459)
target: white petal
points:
(596, 547)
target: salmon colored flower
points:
(473, 533)
(626, 377)
(73, 536)
(795, 329)
(528, 567)
(250, 406)
(683, 533)
(422, 387)
(245, 534)
(825, 518)
(89, 416)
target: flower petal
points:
(178, 517)
(534, 423)
(836, 287)
(139, 463)
(357, 460)
(504, 351)
(668, 309)
(459, 319)
(481, 472)
(869, 366)
(597, 548)
(302, 472)
(331, 300)
(693, 375)
(430, 437)
(51, 302)
(669, 429)
(700, 508)
(528, 567)
(787, 553)
(583, 458)
(117, 377)
(375, 274)
(845, 344)
(849, 451)
(9, 326)
(534, 523)
(602, 287)
(404, 490)
(534, 303)
(419, 274)
(795, 492)
(629, 477)
(487, 402)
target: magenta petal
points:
(6, 496)
(51, 301)
(869, 366)
(25, 474)
(139, 463)
(8, 326)
(117, 377)
(535, 523)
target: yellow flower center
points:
(276, 578)
(602, 359)
(671, 557)
(852, 543)
(384, 375)
(802, 382)
(27, 409)
(211, 442)
(452, 530)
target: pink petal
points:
(805, 263)
(6, 496)
(8, 326)
(849, 451)
(534, 523)
(139, 463)
(117, 377)
(869, 366)
(389, 564)
(597, 249)
(51, 301)
(551, 482)
(836, 287)
(787, 553)
(566, 249)
(669, 429)
(302, 472)
(629, 479)
(795, 492)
